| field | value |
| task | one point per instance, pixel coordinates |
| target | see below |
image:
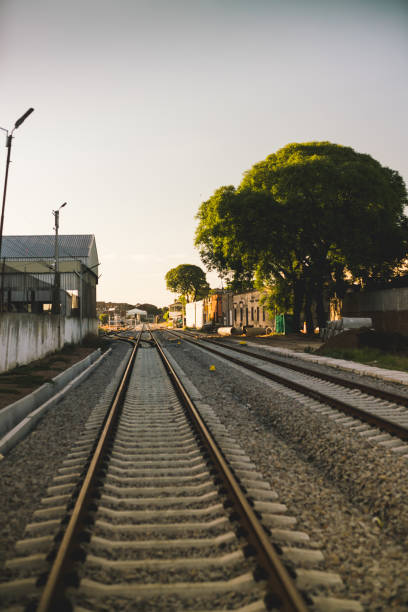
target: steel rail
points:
(54, 587)
(390, 427)
(278, 579)
(390, 396)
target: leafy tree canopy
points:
(188, 281)
(150, 309)
(222, 234)
(305, 217)
(337, 204)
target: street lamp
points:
(56, 298)
(8, 145)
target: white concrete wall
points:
(194, 314)
(72, 331)
(27, 337)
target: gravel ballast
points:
(348, 494)
(308, 360)
(27, 470)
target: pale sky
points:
(144, 107)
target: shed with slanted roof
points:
(28, 278)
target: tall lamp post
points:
(8, 145)
(56, 308)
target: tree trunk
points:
(56, 308)
(320, 311)
(308, 312)
(298, 295)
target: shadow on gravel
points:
(23, 380)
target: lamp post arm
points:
(8, 145)
(22, 118)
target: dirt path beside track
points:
(23, 380)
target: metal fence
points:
(75, 293)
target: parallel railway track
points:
(166, 517)
(364, 387)
(378, 408)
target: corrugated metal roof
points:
(34, 247)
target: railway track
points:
(161, 511)
(365, 406)
(310, 369)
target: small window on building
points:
(257, 313)
(235, 315)
(263, 314)
(241, 313)
(252, 313)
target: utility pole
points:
(56, 306)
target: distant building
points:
(135, 316)
(115, 311)
(248, 311)
(224, 308)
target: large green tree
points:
(307, 217)
(188, 281)
(222, 237)
(104, 318)
(151, 309)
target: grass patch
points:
(369, 356)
